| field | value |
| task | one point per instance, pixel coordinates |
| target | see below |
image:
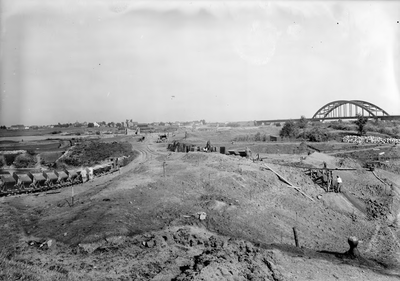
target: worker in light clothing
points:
(339, 183)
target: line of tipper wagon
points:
(25, 182)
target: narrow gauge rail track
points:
(30, 182)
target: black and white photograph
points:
(199, 140)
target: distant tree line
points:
(319, 132)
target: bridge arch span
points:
(349, 108)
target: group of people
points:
(324, 177)
(370, 139)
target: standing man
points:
(339, 183)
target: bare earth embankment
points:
(209, 217)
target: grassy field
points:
(54, 131)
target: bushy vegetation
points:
(2, 161)
(390, 128)
(318, 134)
(342, 126)
(232, 124)
(256, 137)
(13, 269)
(289, 130)
(302, 122)
(361, 122)
(24, 161)
(9, 158)
(89, 153)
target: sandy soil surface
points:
(208, 217)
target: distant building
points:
(96, 124)
(17, 127)
(131, 124)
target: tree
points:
(318, 134)
(361, 122)
(289, 130)
(302, 122)
(24, 161)
(90, 125)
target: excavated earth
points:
(207, 216)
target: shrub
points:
(9, 158)
(31, 152)
(231, 124)
(24, 161)
(318, 135)
(361, 122)
(303, 122)
(289, 130)
(88, 153)
(277, 124)
(264, 137)
(396, 131)
(243, 138)
(343, 126)
(257, 137)
(2, 161)
(385, 131)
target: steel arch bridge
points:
(347, 109)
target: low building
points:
(17, 127)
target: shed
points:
(273, 138)
(233, 152)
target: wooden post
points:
(72, 195)
(296, 240)
(164, 163)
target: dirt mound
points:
(206, 216)
(340, 203)
(195, 157)
(348, 163)
(317, 159)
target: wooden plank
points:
(288, 182)
(379, 178)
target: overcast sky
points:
(80, 60)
